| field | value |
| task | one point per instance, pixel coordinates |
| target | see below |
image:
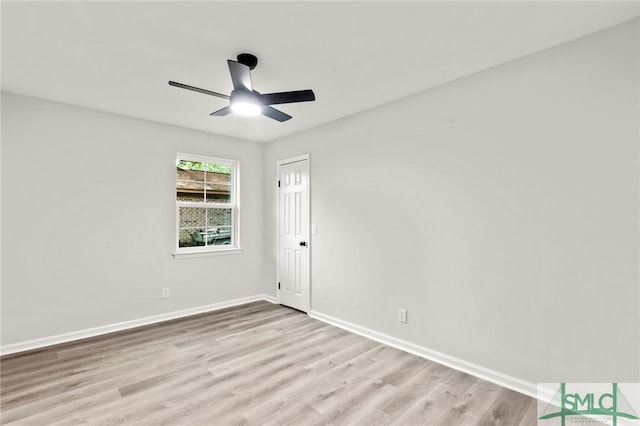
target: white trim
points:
(204, 159)
(489, 375)
(233, 205)
(97, 331)
(202, 204)
(204, 253)
(293, 159)
(270, 299)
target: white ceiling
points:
(118, 56)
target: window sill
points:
(206, 253)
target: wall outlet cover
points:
(402, 315)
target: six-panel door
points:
(293, 217)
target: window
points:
(206, 204)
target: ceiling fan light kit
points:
(244, 104)
(246, 101)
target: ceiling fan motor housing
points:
(248, 59)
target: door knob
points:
(303, 243)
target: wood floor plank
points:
(420, 383)
(42, 405)
(447, 393)
(468, 406)
(255, 364)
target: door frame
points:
(279, 163)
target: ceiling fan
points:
(246, 101)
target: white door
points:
(293, 233)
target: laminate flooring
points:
(253, 364)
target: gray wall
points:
(500, 209)
(88, 220)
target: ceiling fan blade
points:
(222, 112)
(240, 75)
(199, 90)
(275, 114)
(288, 97)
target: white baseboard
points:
(492, 376)
(270, 299)
(97, 331)
(456, 363)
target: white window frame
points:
(234, 204)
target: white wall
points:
(500, 209)
(88, 220)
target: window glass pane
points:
(208, 182)
(219, 217)
(192, 223)
(192, 217)
(185, 239)
(190, 191)
(189, 170)
(218, 187)
(198, 181)
(219, 226)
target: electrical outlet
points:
(402, 315)
(165, 292)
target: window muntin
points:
(206, 204)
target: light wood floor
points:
(254, 364)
